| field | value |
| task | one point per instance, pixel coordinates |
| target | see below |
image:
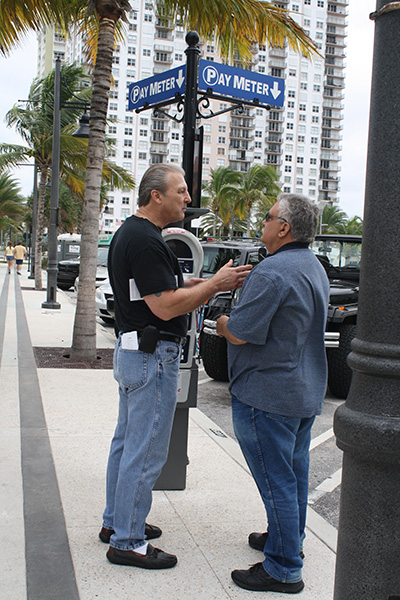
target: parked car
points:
(104, 293)
(68, 270)
(340, 255)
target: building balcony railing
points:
(162, 48)
(158, 149)
(277, 51)
(164, 34)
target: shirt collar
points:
(291, 246)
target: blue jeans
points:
(276, 449)
(148, 385)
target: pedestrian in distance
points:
(278, 375)
(9, 255)
(19, 254)
(151, 307)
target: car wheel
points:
(339, 372)
(213, 351)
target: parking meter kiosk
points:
(189, 252)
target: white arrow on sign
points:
(180, 79)
(275, 91)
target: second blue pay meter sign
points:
(240, 83)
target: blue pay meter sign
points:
(239, 83)
(158, 88)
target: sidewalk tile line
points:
(49, 568)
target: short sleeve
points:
(154, 270)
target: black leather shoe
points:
(153, 559)
(257, 541)
(151, 532)
(258, 580)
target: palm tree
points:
(34, 123)
(332, 219)
(12, 208)
(221, 193)
(353, 226)
(237, 25)
(257, 184)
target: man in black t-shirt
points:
(151, 307)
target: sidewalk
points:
(206, 525)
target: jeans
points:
(276, 449)
(148, 385)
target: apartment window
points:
(292, 72)
(290, 104)
(301, 139)
(289, 126)
(302, 117)
(178, 56)
(320, 3)
(315, 119)
(312, 182)
(127, 142)
(295, 7)
(146, 52)
(125, 200)
(315, 109)
(314, 140)
(174, 135)
(113, 106)
(302, 107)
(143, 132)
(287, 179)
(291, 94)
(127, 154)
(112, 129)
(128, 131)
(303, 86)
(131, 62)
(300, 159)
(207, 139)
(313, 161)
(286, 189)
(299, 181)
(316, 87)
(288, 168)
(288, 157)
(307, 1)
(221, 128)
(258, 133)
(142, 155)
(220, 162)
(128, 119)
(257, 144)
(290, 115)
(221, 140)
(261, 69)
(148, 18)
(132, 27)
(206, 160)
(221, 151)
(210, 48)
(131, 50)
(320, 24)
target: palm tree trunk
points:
(248, 221)
(84, 334)
(40, 227)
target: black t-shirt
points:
(140, 263)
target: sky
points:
(18, 70)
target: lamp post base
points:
(51, 304)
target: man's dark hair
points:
(156, 178)
(302, 215)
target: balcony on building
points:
(240, 166)
(245, 123)
(160, 125)
(162, 33)
(158, 149)
(164, 24)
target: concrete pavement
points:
(56, 428)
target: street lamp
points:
(51, 299)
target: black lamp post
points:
(51, 299)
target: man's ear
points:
(284, 230)
(156, 196)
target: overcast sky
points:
(19, 69)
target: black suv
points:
(340, 256)
(68, 270)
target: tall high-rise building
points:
(301, 140)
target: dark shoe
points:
(257, 541)
(258, 580)
(153, 559)
(151, 531)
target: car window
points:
(102, 255)
(215, 258)
(338, 254)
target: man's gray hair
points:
(301, 213)
(156, 178)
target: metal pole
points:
(367, 426)
(34, 218)
(55, 174)
(192, 63)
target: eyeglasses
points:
(269, 217)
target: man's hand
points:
(229, 278)
(223, 331)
